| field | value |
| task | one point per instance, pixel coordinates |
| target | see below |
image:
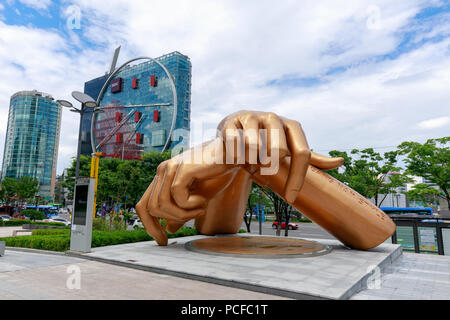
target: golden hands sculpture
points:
(212, 186)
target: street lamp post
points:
(87, 104)
(84, 190)
(259, 193)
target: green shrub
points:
(104, 224)
(52, 224)
(15, 222)
(20, 222)
(51, 243)
(34, 214)
(101, 238)
(50, 232)
(59, 239)
(184, 232)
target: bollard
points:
(2, 248)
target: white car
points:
(60, 220)
(137, 224)
(5, 217)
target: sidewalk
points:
(26, 275)
(8, 231)
(413, 277)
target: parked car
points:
(133, 219)
(291, 225)
(60, 220)
(5, 217)
(137, 224)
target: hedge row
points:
(19, 222)
(52, 243)
(50, 232)
(59, 239)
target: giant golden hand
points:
(212, 185)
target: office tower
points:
(32, 139)
(152, 123)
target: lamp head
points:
(65, 103)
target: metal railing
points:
(422, 233)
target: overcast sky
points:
(354, 73)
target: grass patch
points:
(59, 239)
(20, 222)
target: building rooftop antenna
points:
(114, 60)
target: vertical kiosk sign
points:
(81, 233)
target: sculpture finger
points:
(250, 127)
(166, 203)
(233, 142)
(324, 162)
(184, 178)
(276, 144)
(172, 226)
(151, 224)
(153, 203)
(300, 158)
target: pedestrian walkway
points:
(336, 275)
(25, 275)
(412, 277)
(8, 231)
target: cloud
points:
(434, 123)
(32, 58)
(353, 74)
(37, 4)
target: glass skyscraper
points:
(32, 139)
(129, 104)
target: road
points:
(305, 230)
(25, 275)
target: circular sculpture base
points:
(258, 247)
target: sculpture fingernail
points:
(291, 196)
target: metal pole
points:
(97, 163)
(77, 166)
(260, 215)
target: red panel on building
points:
(118, 116)
(139, 138)
(153, 80)
(116, 85)
(119, 137)
(135, 83)
(137, 116)
(156, 116)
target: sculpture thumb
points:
(324, 162)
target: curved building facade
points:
(32, 139)
(139, 100)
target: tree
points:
(252, 201)
(119, 181)
(370, 173)
(34, 214)
(429, 160)
(9, 189)
(26, 188)
(256, 195)
(281, 209)
(69, 179)
(423, 192)
(290, 210)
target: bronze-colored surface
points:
(259, 246)
(215, 193)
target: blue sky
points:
(354, 73)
